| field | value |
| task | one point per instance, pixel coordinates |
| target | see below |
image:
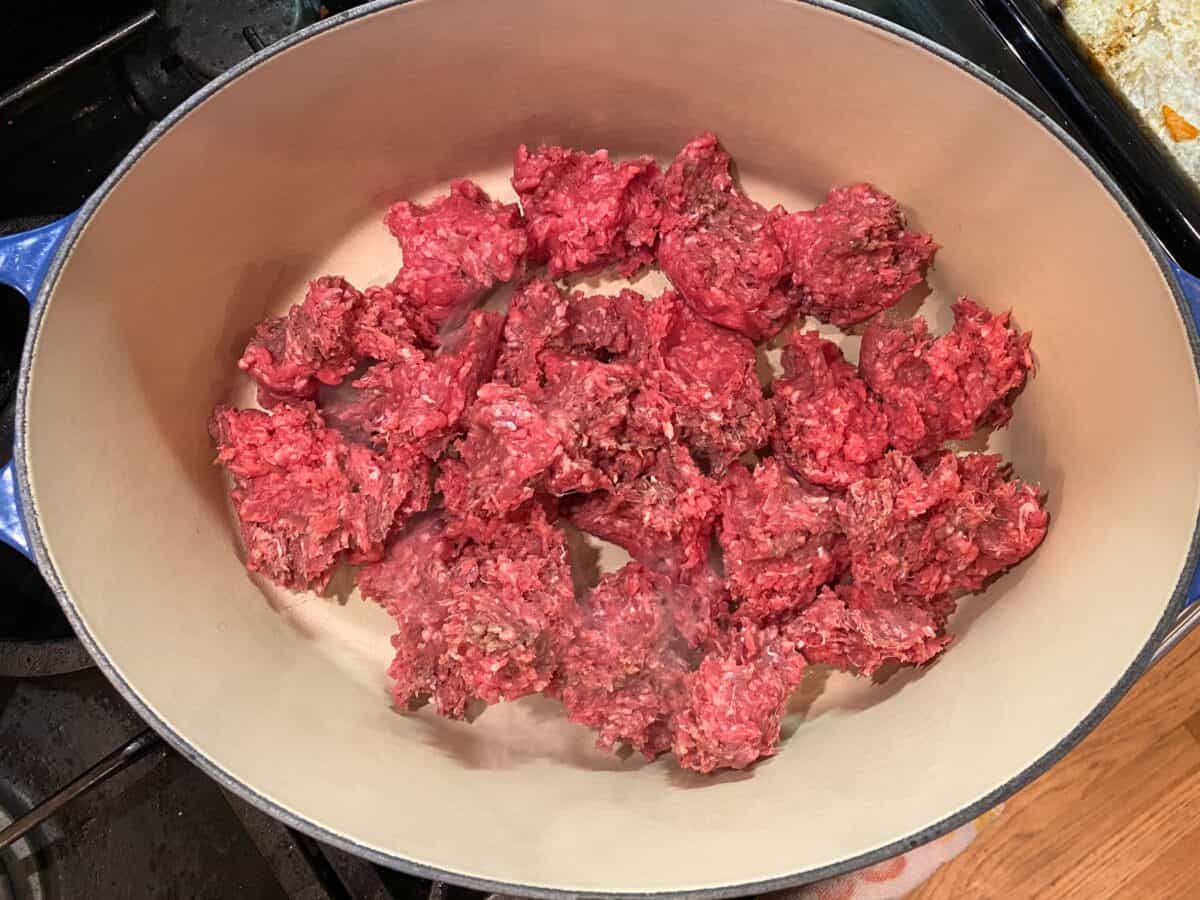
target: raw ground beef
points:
(290, 356)
(859, 630)
(390, 329)
(641, 422)
(708, 376)
(829, 428)
(940, 389)
(735, 700)
(623, 675)
(478, 620)
(420, 400)
(851, 257)
(455, 250)
(590, 426)
(544, 318)
(782, 540)
(717, 246)
(305, 498)
(504, 458)
(585, 211)
(922, 531)
(664, 518)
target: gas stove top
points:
(77, 91)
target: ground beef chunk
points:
(851, 256)
(717, 246)
(708, 375)
(585, 429)
(782, 540)
(420, 400)
(623, 675)
(389, 329)
(829, 429)
(664, 518)
(923, 531)
(504, 458)
(455, 250)
(585, 211)
(543, 318)
(859, 630)
(305, 498)
(478, 620)
(735, 701)
(611, 421)
(290, 356)
(935, 390)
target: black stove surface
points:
(77, 91)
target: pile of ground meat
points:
(822, 518)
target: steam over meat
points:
(305, 498)
(455, 250)
(420, 400)
(290, 356)
(624, 673)
(829, 429)
(585, 211)
(851, 257)
(717, 245)
(782, 541)
(478, 620)
(734, 703)
(935, 390)
(922, 531)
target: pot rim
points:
(396, 861)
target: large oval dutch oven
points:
(280, 171)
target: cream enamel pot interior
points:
(280, 172)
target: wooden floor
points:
(1118, 817)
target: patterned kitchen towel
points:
(892, 879)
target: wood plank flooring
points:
(1119, 817)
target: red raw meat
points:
(664, 518)
(420, 401)
(859, 630)
(455, 250)
(585, 211)
(543, 318)
(305, 498)
(923, 531)
(623, 674)
(935, 390)
(851, 256)
(389, 329)
(735, 701)
(717, 245)
(478, 620)
(589, 426)
(611, 421)
(708, 375)
(628, 418)
(504, 458)
(782, 540)
(829, 428)
(290, 356)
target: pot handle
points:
(24, 260)
(1190, 286)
